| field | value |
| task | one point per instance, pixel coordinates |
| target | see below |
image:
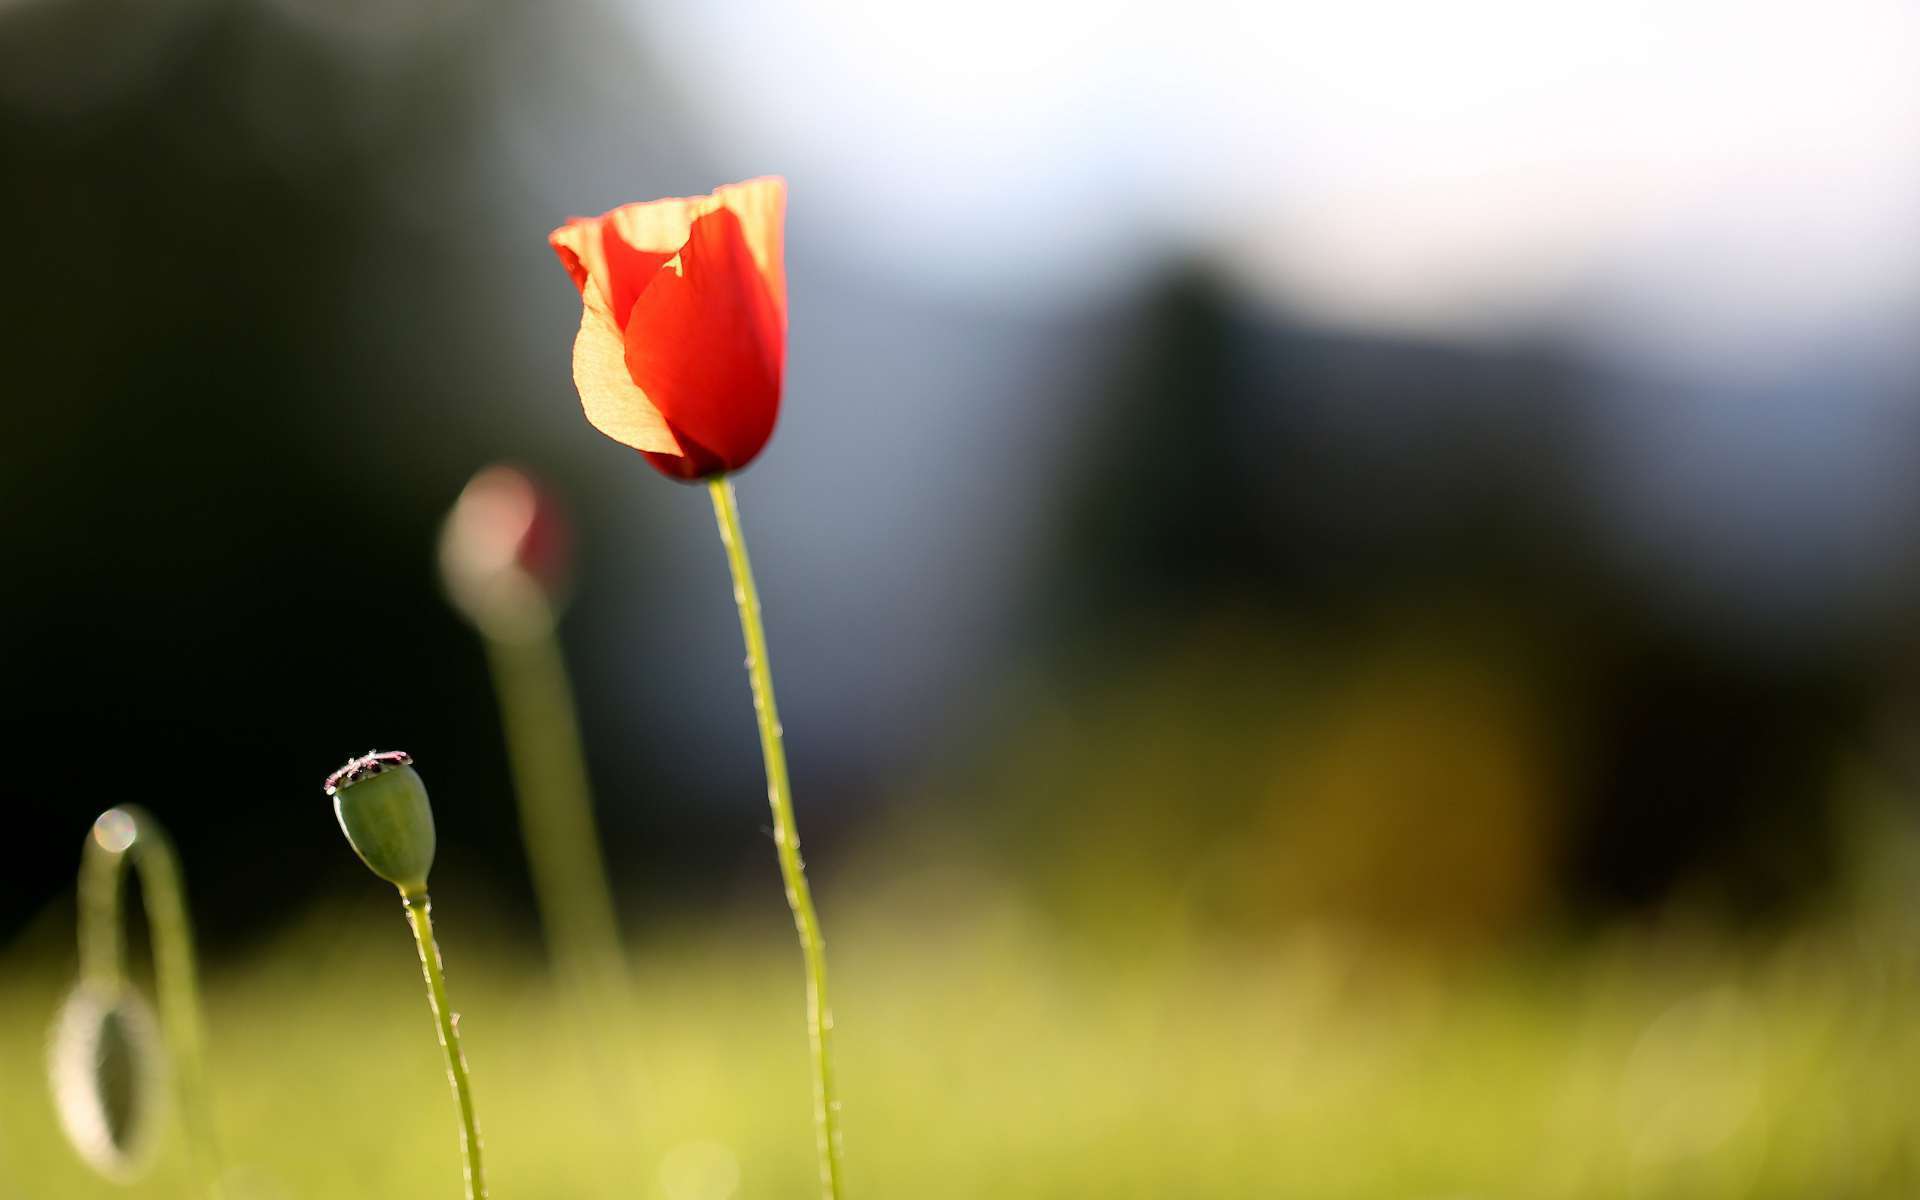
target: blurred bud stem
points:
(504, 551)
(786, 838)
(120, 836)
(420, 916)
(556, 818)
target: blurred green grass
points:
(988, 1050)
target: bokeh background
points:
(1344, 582)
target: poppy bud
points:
(382, 807)
(107, 1065)
(683, 324)
(504, 552)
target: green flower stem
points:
(420, 915)
(556, 817)
(129, 834)
(786, 838)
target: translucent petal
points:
(707, 345)
(662, 226)
(613, 402)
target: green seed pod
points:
(383, 810)
(107, 1065)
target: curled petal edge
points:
(614, 404)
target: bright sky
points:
(1722, 172)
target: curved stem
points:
(556, 816)
(420, 916)
(129, 833)
(786, 838)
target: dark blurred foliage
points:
(1276, 511)
(219, 578)
(1320, 628)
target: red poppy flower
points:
(683, 328)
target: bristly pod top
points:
(382, 808)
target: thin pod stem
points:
(556, 815)
(420, 916)
(382, 806)
(129, 834)
(786, 838)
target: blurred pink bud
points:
(504, 552)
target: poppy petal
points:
(761, 205)
(663, 226)
(593, 251)
(572, 243)
(613, 403)
(707, 344)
